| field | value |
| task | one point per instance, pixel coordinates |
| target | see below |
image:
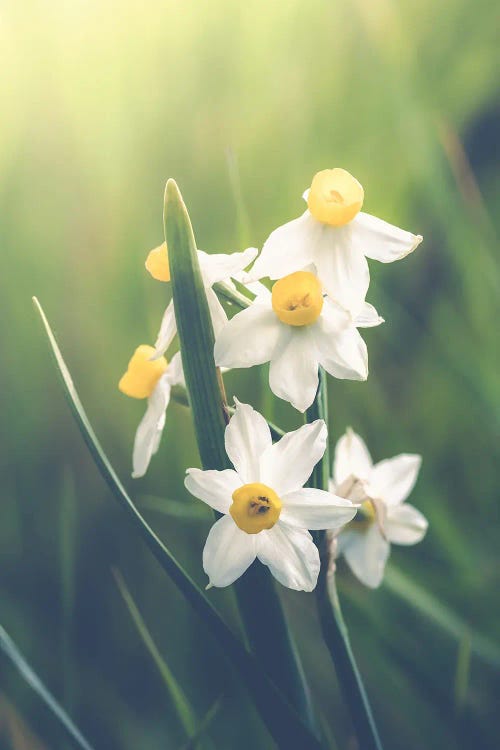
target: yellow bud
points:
(255, 507)
(157, 263)
(297, 299)
(335, 197)
(142, 373)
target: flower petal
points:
(293, 374)
(228, 552)
(367, 317)
(392, 480)
(167, 332)
(352, 458)
(175, 373)
(343, 270)
(366, 554)
(222, 266)
(287, 249)
(381, 241)
(217, 312)
(316, 509)
(247, 436)
(215, 488)
(149, 432)
(405, 524)
(291, 555)
(249, 338)
(287, 465)
(340, 348)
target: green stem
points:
(330, 614)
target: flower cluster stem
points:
(333, 625)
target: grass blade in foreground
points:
(330, 614)
(258, 602)
(282, 721)
(9, 648)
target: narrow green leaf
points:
(193, 741)
(255, 591)
(186, 714)
(11, 651)
(188, 511)
(462, 672)
(281, 720)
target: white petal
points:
(367, 317)
(289, 248)
(342, 269)
(249, 338)
(167, 332)
(228, 552)
(405, 524)
(366, 554)
(215, 488)
(291, 555)
(221, 266)
(287, 465)
(293, 374)
(247, 436)
(392, 480)
(381, 241)
(316, 509)
(217, 312)
(352, 458)
(149, 432)
(340, 350)
(175, 373)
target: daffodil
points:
(266, 509)
(214, 268)
(384, 517)
(152, 379)
(296, 328)
(337, 237)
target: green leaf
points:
(11, 651)
(281, 720)
(186, 714)
(255, 591)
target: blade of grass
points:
(11, 651)
(281, 719)
(185, 712)
(192, 742)
(255, 591)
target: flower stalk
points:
(332, 622)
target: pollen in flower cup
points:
(297, 329)
(384, 517)
(337, 237)
(266, 509)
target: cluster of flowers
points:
(309, 319)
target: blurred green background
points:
(102, 101)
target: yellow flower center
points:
(297, 299)
(335, 197)
(365, 516)
(142, 373)
(157, 263)
(255, 507)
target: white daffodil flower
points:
(266, 509)
(296, 329)
(337, 237)
(152, 379)
(384, 517)
(214, 268)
